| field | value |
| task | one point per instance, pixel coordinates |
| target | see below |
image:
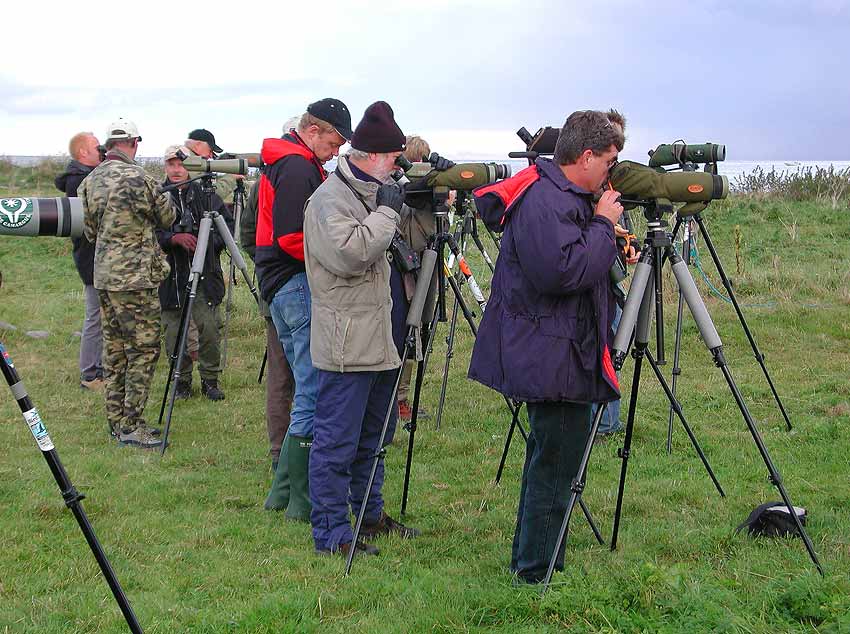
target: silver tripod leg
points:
(196, 270)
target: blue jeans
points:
(350, 415)
(290, 309)
(610, 422)
(553, 452)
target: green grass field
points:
(195, 551)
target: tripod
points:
(646, 284)
(71, 496)
(238, 206)
(645, 291)
(209, 219)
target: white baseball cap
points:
(122, 129)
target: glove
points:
(391, 195)
(185, 240)
(439, 163)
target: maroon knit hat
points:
(377, 131)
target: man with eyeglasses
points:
(294, 170)
(544, 339)
(122, 207)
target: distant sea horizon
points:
(731, 169)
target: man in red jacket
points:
(294, 169)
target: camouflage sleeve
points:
(164, 214)
(91, 215)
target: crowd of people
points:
(335, 306)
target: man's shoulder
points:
(294, 166)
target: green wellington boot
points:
(278, 498)
(299, 472)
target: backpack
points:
(772, 519)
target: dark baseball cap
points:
(207, 137)
(334, 112)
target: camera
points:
(41, 217)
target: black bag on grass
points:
(772, 519)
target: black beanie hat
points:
(378, 132)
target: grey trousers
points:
(208, 319)
(91, 343)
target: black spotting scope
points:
(62, 217)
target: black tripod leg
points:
(592, 523)
(450, 342)
(576, 489)
(774, 477)
(715, 345)
(180, 354)
(514, 423)
(263, 365)
(728, 286)
(624, 452)
(70, 494)
(676, 369)
(411, 428)
(184, 316)
(676, 407)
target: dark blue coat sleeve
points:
(555, 254)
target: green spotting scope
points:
(62, 217)
(224, 166)
(463, 176)
(636, 181)
(679, 153)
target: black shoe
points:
(183, 390)
(211, 391)
(362, 549)
(387, 526)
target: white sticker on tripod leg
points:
(39, 431)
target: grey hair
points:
(291, 123)
(357, 155)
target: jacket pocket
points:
(363, 337)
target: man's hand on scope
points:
(391, 195)
(609, 206)
(185, 240)
(439, 163)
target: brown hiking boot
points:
(405, 412)
(95, 385)
(387, 526)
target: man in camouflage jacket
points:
(122, 208)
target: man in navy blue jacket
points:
(544, 337)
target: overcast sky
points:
(767, 78)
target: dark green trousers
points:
(208, 320)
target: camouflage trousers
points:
(130, 321)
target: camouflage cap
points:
(172, 150)
(122, 129)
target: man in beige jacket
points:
(349, 223)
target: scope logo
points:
(15, 212)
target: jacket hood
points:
(74, 168)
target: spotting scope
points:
(62, 217)
(680, 152)
(422, 176)
(639, 182)
(224, 166)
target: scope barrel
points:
(225, 166)
(61, 217)
(677, 153)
